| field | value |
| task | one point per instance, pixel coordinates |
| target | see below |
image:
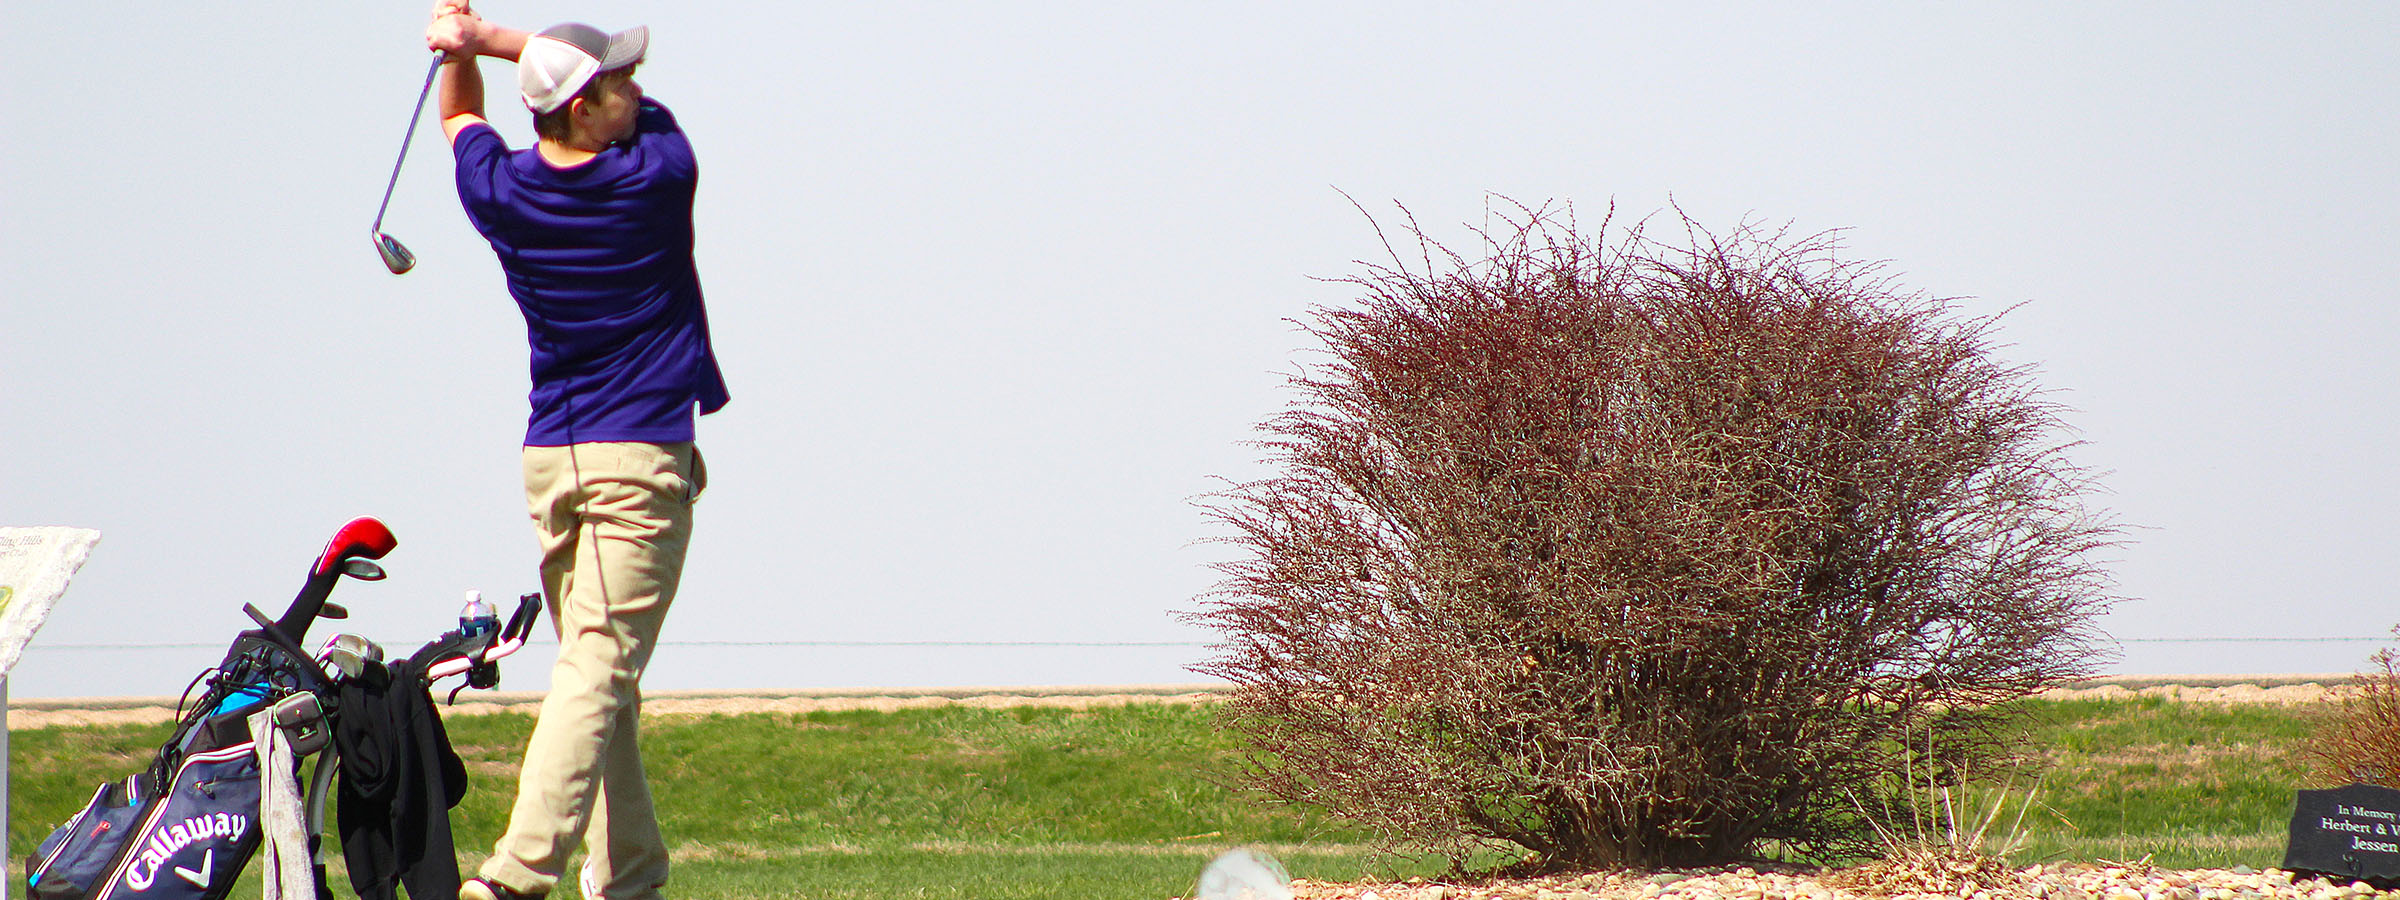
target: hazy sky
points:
(1000, 288)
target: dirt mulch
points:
(70, 712)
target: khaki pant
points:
(614, 520)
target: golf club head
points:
(395, 257)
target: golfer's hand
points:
(457, 34)
(455, 30)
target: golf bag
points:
(186, 826)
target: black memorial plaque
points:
(2348, 832)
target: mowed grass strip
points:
(940, 802)
(2187, 784)
(1129, 801)
(1141, 774)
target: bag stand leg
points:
(320, 786)
(4, 881)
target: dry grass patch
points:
(1955, 871)
(2176, 761)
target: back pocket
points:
(80, 852)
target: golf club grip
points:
(274, 634)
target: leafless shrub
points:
(1634, 554)
(2360, 741)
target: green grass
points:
(949, 802)
(964, 803)
(2187, 784)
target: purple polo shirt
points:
(599, 259)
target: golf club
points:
(396, 257)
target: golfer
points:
(593, 227)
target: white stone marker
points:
(35, 565)
(1246, 873)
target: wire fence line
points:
(179, 645)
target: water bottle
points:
(477, 617)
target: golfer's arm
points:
(505, 43)
(461, 101)
(462, 80)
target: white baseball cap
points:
(560, 60)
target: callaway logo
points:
(166, 842)
(208, 863)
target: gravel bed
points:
(2057, 881)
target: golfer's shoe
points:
(480, 888)
(589, 879)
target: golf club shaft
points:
(413, 114)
